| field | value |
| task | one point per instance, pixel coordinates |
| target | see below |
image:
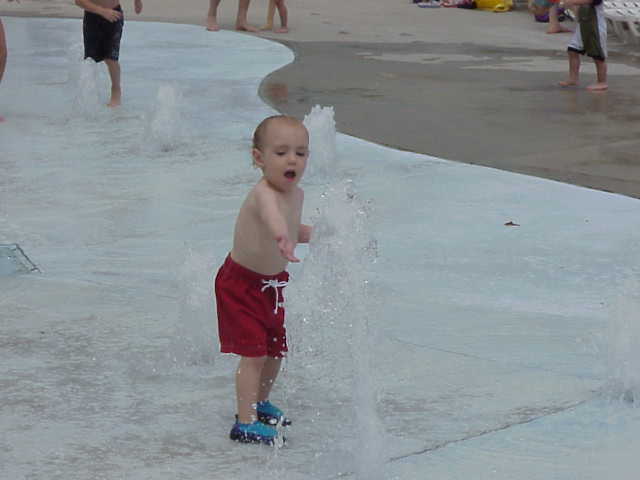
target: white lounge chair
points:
(623, 18)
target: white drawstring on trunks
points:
(275, 284)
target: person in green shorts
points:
(590, 38)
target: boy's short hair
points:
(259, 133)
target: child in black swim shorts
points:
(102, 30)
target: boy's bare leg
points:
(271, 12)
(268, 378)
(248, 378)
(554, 22)
(601, 73)
(241, 20)
(3, 51)
(116, 91)
(212, 16)
(574, 70)
(284, 17)
(3, 56)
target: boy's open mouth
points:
(291, 174)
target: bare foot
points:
(568, 83)
(598, 87)
(116, 98)
(281, 30)
(212, 24)
(560, 29)
(266, 27)
(246, 28)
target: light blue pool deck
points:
(496, 352)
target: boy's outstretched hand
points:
(137, 5)
(286, 248)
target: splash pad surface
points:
(491, 343)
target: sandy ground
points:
(470, 86)
(356, 20)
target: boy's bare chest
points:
(107, 3)
(290, 211)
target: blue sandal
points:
(256, 432)
(271, 415)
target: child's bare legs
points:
(554, 22)
(271, 11)
(574, 69)
(3, 56)
(241, 20)
(254, 378)
(601, 73)
(116, 92)
(269, 374)
(284, 17)
(212, 16)
(248, 378)
(3, 51)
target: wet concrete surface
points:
(499, 107)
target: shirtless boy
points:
(282, 12)
(249, 285)
(241, 20)
(102, 30)
(3, 55)
(590, 38)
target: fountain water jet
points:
(87, 78)
(622, 346)
(164, 130)
(322, 164)
(331, 304)
(193, 339)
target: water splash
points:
(164, 130)
(193, 339)
(622, 346)
(89, 87)
(331, 304)
(322, 164)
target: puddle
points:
(13, 260)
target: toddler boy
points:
(249, 285)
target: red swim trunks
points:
(250, 311)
